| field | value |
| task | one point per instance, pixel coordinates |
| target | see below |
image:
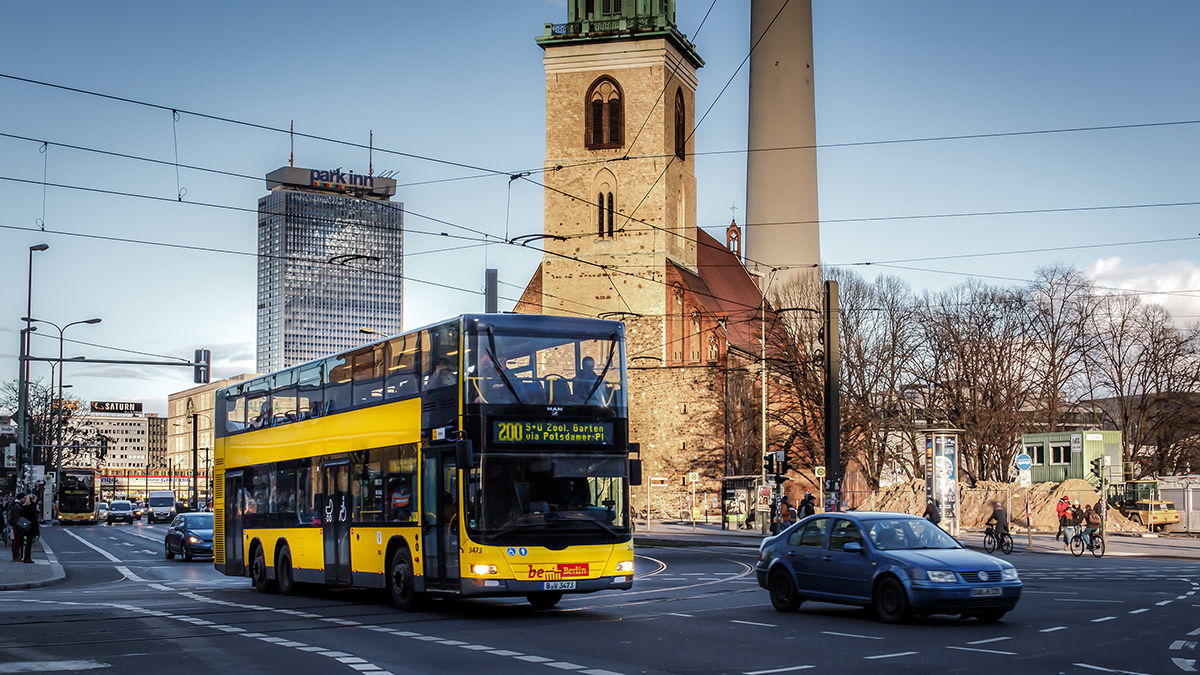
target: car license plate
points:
(558, 585)
(985, 592)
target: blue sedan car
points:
(898, 564)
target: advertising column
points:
(941, 475)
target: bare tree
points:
(77, 429)
(1061, 306)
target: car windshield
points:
(120, 506)
(907, 534)
(161, 501)
(548, 494)
(505, 369)
(199, 521)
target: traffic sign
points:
(1024, 462)
(658, 481)
(693, 477)
(1026, 479)
(819, 471)
(1013, 473)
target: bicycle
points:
(990, 542)
(1078, 544)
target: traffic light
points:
(1096, 467)
(783, 466)
(201, 365)
(769, 464)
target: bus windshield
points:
(516, 496)
(78, 493)
(506, 369)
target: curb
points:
(57, 573)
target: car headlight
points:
(193, 539)
(942, 576)
(625, 566)
(483, 569)
(1009, 574)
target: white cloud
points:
(1165, 280)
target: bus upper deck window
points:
(337, 384)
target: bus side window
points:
(337, 385)
(283, 398)
(309, 403)
(439, 356)
(235, 411)
(401, 367)
(399, 465)
(368, 375)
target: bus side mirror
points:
(635, 472)
(464, 453)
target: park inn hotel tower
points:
(330, 247)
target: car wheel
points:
(989, 617)
(401, 582)
(187, 552)
(784, 596)
(170, 553)
(258, 572)
(891, 602)
(544, 600)
(283, 573)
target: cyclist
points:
(1000, 518)
(1093, 524)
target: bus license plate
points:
(558, 585)
(985, 592)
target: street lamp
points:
(58, 418)
(23, 367)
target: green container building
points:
(1069, 454)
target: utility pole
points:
(833, 387)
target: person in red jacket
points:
(1064, 510)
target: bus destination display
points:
(583, 433)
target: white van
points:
(161, 506)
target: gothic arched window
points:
(605, 115)
(678, 338)
(604, 185)
(680, 125)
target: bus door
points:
(335, 522)
(235, 498)
(439, 523)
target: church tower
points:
(620, 203)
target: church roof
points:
(725, 289)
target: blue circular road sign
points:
(1024, 461)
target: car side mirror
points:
(852, 547)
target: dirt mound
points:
(975, 503)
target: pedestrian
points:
(806, 507)
(787, 515)
(14, 516)
(932, 513)
(1062, 508)
(29, 510)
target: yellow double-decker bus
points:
(484, 456)
(77, 497)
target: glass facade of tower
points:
(328, 264)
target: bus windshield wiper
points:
(612, 349)
(491, 350)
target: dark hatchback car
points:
(897, 564)
(120, 511)
(190, 535)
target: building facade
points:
(156, 447)
(330, 261)
(183, 408)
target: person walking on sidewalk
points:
(1063, 508)
(30, 511)
(13, 514)
(806, 507)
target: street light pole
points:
(23, 368)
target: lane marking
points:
(1186, 665)
(865, 637)
(1085, 600)
(1195, 632)
(1106, 670)
(889, 656)
(985, 651)
(678, 614)
(49, 666)
(1180, 644)
(984, 642)
(777, 670)
(94, 547)
(129, 575)
(1139, 611)
(1164, 602)
(1051, 630)
(754, 623)
(1103, 619)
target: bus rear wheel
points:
(544, 600)
(258, 572)
(401, 582)
(283, 573)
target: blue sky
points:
(422, 75)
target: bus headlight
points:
(625, 566)
(483, 569)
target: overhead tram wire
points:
(1132, 291)
(115, 349)
(1051, 249)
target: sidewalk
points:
(46, 569)
(680, 534)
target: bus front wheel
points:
(401, 581)
(258, 572)
(544, 600)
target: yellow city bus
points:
(487, 455)
(77, 497)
